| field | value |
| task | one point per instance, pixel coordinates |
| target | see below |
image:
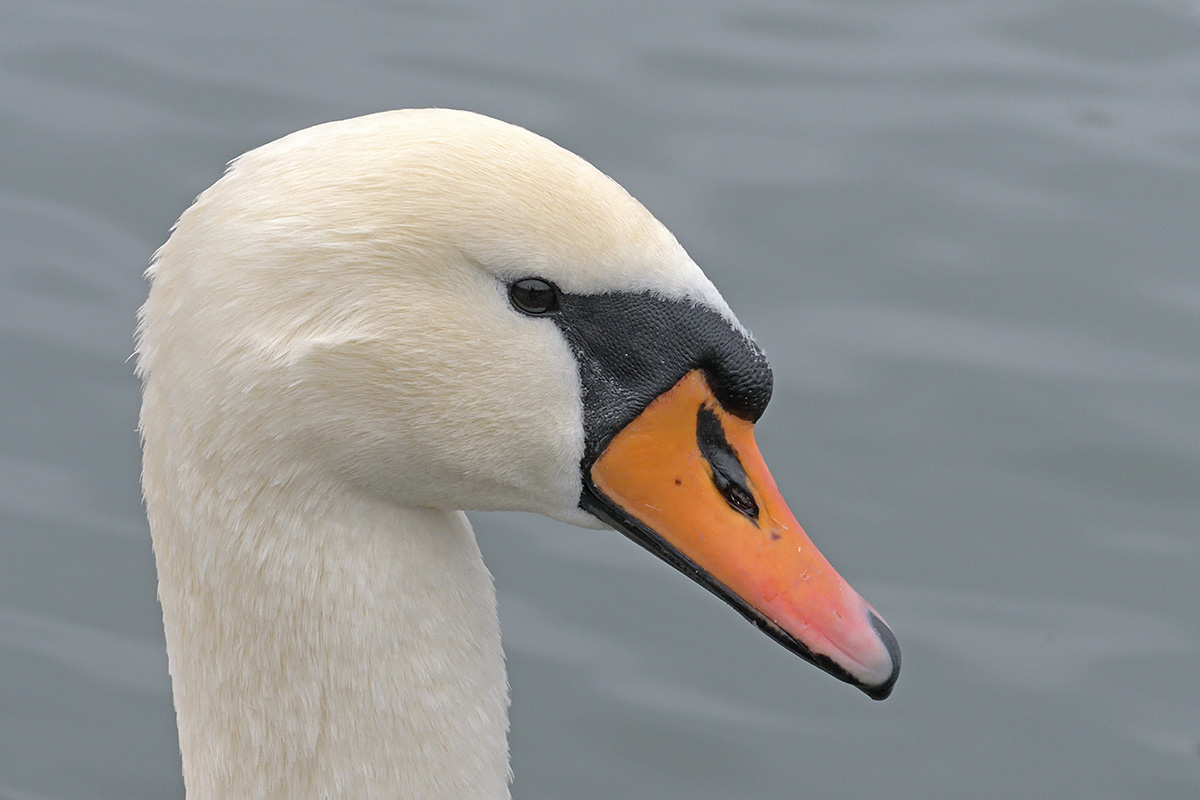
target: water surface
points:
(966, 235)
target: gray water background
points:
(966, 234)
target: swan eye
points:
(534, 296)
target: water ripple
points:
(837, 335)
(104, 657)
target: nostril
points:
(728, 474)
(738, 497)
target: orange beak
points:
(685, 480)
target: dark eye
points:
(534, 296)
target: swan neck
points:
(328, 645)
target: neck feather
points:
(324, 645)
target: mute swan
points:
(362, 329)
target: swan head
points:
(443, 310)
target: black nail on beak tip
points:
(884, 689)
